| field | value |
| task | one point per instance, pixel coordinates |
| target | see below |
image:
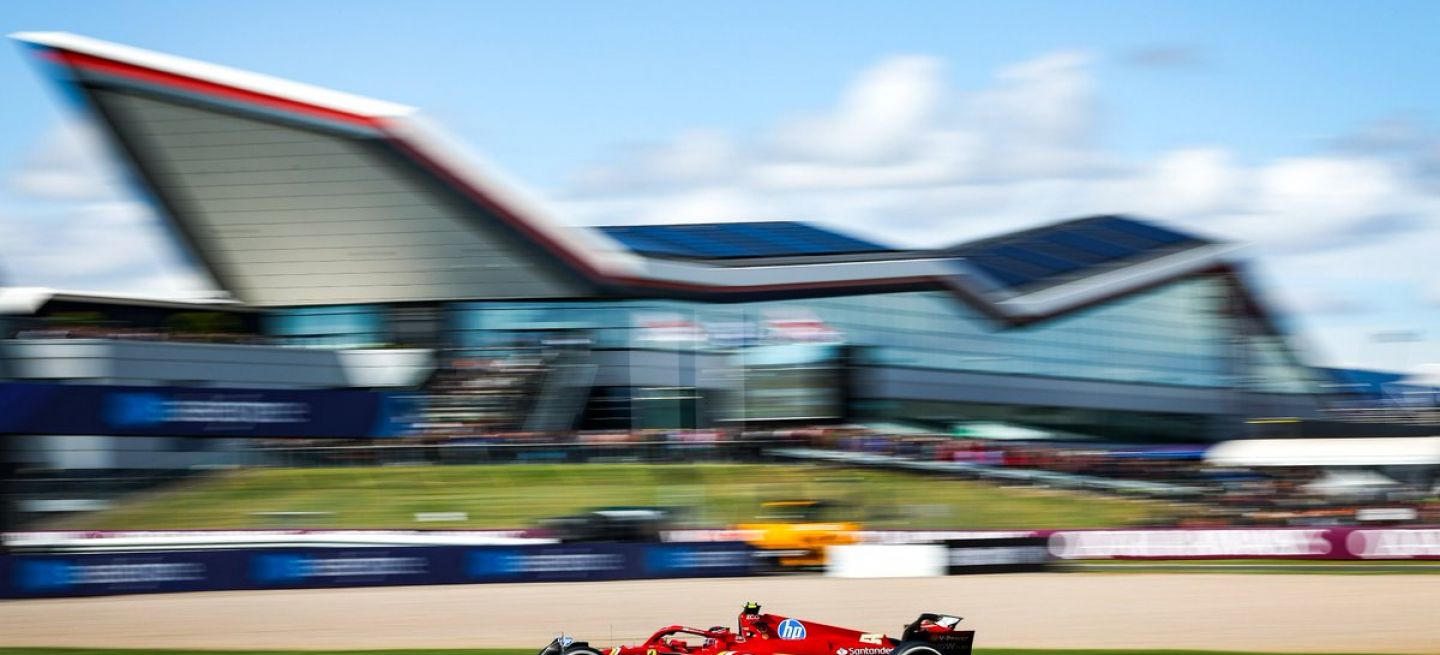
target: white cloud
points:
(1304, 199)
(99, 246)
(1039, 119)
(1320, 300)
(879, 118)
(1194, 183)
(68, 164)
(70, 225)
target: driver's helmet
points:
(749, 617)
(721, 634)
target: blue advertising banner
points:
(352, 567)
(721, 559)
(44, 576)
(95, 574)
(576, 562)
(37, 408)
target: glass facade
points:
(1174, 335)
(1178, 334)
(331, 326)
(1272, 368)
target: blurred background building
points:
(358, 251)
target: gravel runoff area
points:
(1290, 613)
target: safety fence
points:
(1354, 543)
(370, 561)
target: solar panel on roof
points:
(699, 243)
(644, 241)
(1036, 258)
(826, 238)
(670, 245)
(1068, 250)
(755, 244)
(716, 241)
(1120, 238)
(736, 240)
(1157, 234)
(1006, 276)
(780, 239)
(1085, 243)
(762, 244)
(1011, 265)
(640, 243)
(1050, 247)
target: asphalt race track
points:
(1282, 612)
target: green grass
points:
(518, 495)
(531, 651)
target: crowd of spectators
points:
(1300, 495)
(472, 396)
(188, 327)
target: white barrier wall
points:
(885, 560)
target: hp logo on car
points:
(791, 630)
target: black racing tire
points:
(915, 648)
(579, 648)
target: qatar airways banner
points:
(39, 408)
(1247, 543)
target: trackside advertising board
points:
(94, 574)
(1000, 555)
(36, 408)
(1350, 543)
(1248, 543)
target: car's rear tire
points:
(578, 648)
(915, 648)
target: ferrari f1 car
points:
(772, 634)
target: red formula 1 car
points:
(772, 634)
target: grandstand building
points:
(343, 223)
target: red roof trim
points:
(192, 85)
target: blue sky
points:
(1307, 129)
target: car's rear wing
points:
(938, 632)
